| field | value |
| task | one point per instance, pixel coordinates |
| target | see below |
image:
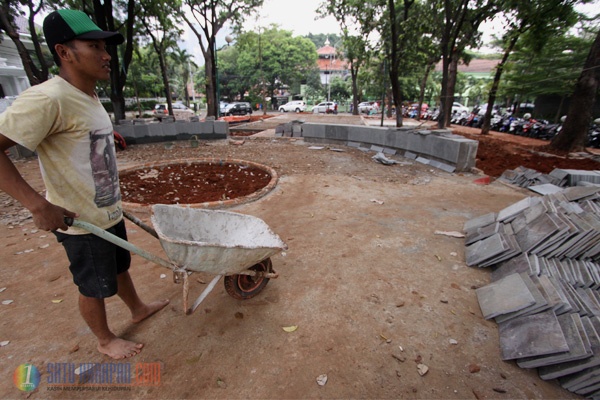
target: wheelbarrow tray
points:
(213, 241)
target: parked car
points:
(222, 106)
(459, 108)
(296, 106)
(325, 107)
(367, 107)
(180, 111)
(238, 108)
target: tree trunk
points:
(452, 74)
(354, 76)
(573, 136)
(485, 129)
(212, 100)
(422, 89)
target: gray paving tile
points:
(546, 188)
(484, 249)
(540, 303)
(517, 264)
(478, 222)
(536, 232)
(571, 327)
(507, 295)
(572, 367)
(531, 335)
(474, 235)
(516, 208)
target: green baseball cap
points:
(60, 26)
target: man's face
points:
(89, 58)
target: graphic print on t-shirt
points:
(104, 168)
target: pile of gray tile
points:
(546, 297)
(552, 182)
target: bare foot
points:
(119, 348)
(148, 310)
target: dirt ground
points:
(372, 290)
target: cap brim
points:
(111, 38)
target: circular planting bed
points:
(209, 183)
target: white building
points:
(13, 79)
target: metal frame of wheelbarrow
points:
(179, 272)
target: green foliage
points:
(319, 39)
(554, 70)
(273, 58)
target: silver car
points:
(325, 107)
(296, 106)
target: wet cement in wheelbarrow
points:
(192, 183)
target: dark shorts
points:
(95, 262)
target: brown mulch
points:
(498, 152)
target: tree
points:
(207, 19)
(460, 21)
(541, 18)
(103, 13)
(273, 58)
(182, 67)
(35, 69)
(355, 46)
(574, 133)
(156, 19)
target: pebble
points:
(453, 341)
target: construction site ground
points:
(372, 292)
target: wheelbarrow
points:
(235, 246)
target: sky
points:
(300, 17)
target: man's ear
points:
(63, 52)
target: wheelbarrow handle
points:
(119, 242)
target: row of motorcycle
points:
(525, 126)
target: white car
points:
(366, 107)
(325, 107)
(180, 111)
(297, 106)
(459, 108)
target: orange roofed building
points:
(331, 64)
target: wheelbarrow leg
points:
(203, 295)
(186, 290)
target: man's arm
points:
(46, 216)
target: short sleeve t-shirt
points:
(73, 137)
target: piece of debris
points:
(7, 302)
(56, 301)
(482, 181)
(399, 358)
(2, 289)
(380, 202)
(44, 246)
(163, 276)
(322, 380)
(316, 148)
(422, 369)
(451, 234)
(236, 142)
(453, 341)
(4, 343)
(290, 328)
(474, 368)
(74, 349)
(381, 158)
(499, 390)
(221, 383)
(337, 150)
(153, 173)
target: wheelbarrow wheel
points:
(243, 287)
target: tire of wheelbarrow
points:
(244, 287)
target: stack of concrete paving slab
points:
(552, 182)
(546, 298)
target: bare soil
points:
(373, 291)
